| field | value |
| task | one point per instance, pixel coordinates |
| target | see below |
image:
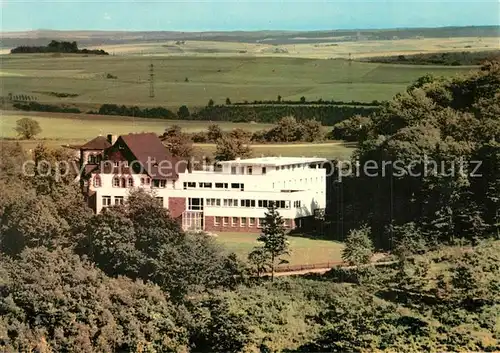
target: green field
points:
(60, 129)
(239, 78)
(304, 251)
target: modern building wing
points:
(230, 196)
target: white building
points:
(232, 196)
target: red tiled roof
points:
(148, 147)
(98, 143)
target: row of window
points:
(243, 221)
(106, 200)
(119, 200)
(250, 203)
(208, 185)
(128, 182)
(249, 170)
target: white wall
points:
(311, 182)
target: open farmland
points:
(326, 47)
(194, 80)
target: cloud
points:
(106, 16)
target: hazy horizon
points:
(232, 15)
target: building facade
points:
(231, 196)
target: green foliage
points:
(140, 240)
(288, 129)
(214, 132)
(260, 260)
(358, 247)
(271, 113)
(273, 238)
(354, 129)
(228, 148)
(446, 58)
(421, 142)
(27, 128)
(183, 112)
(55, 302)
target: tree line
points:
(56, 47)
(326, 114)
(446, 58)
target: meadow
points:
(193, 81)
(304, 251)
(62, 129)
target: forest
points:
(130, 280)
(447, 58)
(56, 47)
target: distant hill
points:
(40, 37)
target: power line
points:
(151, 81)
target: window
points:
(242, 170)
(264, 170)
(234, 221)
(160, 201)
(260, 203)
(277, 168)
(296, 204)
(190, 185)
(221, 185)
(195, 204)
(247, 203)
(142, 181)
(213, 202)
(249, 170)
(205, 185)
(238, 186)
(217, 221)
(116, 182)
(116, 163)
(233, 170)
(106, 201)
(130, 182)
(97, 181)
(124, 182)
(282, 204)
(159, 183)
(148, 181)
(119, 200)
(260, 222)
(235, 202)
(225, 221)
(243, 222)
(251, 222)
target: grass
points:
(59, 129)
(239, 78)
(303, 250)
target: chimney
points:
(112, 139)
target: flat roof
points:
(275, 161)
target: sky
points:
(206, 15)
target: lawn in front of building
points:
(304, 251)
